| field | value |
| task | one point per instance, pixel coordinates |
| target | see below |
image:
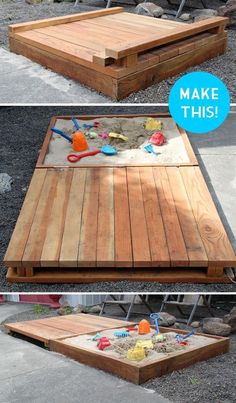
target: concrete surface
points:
(43, 86)
(8, 309)
(32, 374)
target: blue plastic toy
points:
(149, 149)
(155, 317)
(58, 131)
(97, 337)
(76, 124)
(181, 337)
(121, 334)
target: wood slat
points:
(193, 242)
(35, 242)
(119, 51)
(174, 236)
(88, 241)
(214, 237)
(139, 230)
(123, 243)
(55, 227)
(20, 234)
(70, 244)
(156, 233)
(105, 230)
(25, 26)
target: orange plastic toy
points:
(79, 141)
(144, 327)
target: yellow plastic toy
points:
(118, 136)
(136, 354)
(153, 124)
(144, 343)
(144, 327)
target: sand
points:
(85, 341)
(131, 152)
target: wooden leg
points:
(21, 271)
(29, 271)
(215, 271)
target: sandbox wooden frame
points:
(144, 202)
(136, 372)
(118, 68)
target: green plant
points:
(195, 381)
(40, 309)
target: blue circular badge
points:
(199, 102)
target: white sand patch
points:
(131, 152)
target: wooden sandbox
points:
(102, 223)
(115, 52)
(63, 335)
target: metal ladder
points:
(113, 300)
(176, 300)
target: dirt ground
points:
(15, 11)
(211, 381)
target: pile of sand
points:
(130, 152)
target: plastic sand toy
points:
(180, 337)
(155, 317)
(153, 124)
(78, 139)
(104, 135)
(97, 337)
(107, 150)
(159, 338)
(103, 343)
(121, 334)
(144, 327)
(158, 139)
(136, 354)
(149, 149)
(144, 343)
(92, 135)
(118, 136)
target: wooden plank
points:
(25, 26)
(35, 242)
(87, 255)
(151, 75)
(20, 234)
(214, 237)
(35, 330)
(139, 231)
(193, 242)
(119, 51)
(160, 275)
(88, 76)
(174, 236)
(105, 230)
(55, 226)
(72, 234)
(123, 244)
(156, 233)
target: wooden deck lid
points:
(106, 217)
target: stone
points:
(92, 309)
(230, 319)
(78, 308)
(216, 328)
(166, 319)
(195, 324)
(65, 309)
(5, 182)
(149, 9)
(185, 17)
(205, 320)
(203, 14)
(229, 10)
(165, 17)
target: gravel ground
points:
(209, 381)
(23, 129)
(15, 11)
